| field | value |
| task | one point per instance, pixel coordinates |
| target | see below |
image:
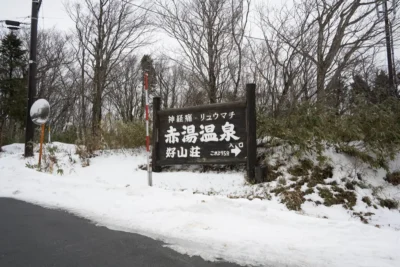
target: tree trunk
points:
(97, 101)
(321, 85)
(83, 106)
(212, 88)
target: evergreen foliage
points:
(12, 85)
(369, 129)
(147, 66)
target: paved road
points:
(31, 236)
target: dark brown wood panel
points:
(210, 133)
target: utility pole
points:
(389, 50)
(29, 127)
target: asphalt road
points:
(32, 236)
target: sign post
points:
(49, 138)
(209, 134)
(41, 144)
(156, 122)
(251, 130)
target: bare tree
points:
(82, 71)
(210, 34)
(171, 82)
(55, 77)
(239, 18)
(55, 74)
(109, 31)
(124, 92)
(331, 34)
(279, 68)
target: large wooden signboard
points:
(208, 134)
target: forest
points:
(320, 68)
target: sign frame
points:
(249, 106)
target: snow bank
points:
(112, 192)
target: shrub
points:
(388, 203)
(302, 169)
(327, 195)
(367, 200)
(347, 198)
(319, 174)
(278, 190)
(349, 185)
(84, 155)
(282, 181)
(68, 136)
(362, 216)
(293, 199)
(309, 191)
(273, 173)
(393, 178)
(298, 170)
(306, 129)
(125, 135)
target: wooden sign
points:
(209, 134)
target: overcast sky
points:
(52, 10)
(53, 14)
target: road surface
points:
(32, 236)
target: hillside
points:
(218, 215)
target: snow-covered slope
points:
(206, 214)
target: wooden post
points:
(49, 138)
(41, 145)
(251, 131)
(156, 126)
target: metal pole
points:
(146, 89)
(29, 127)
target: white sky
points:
(52, 10)
(53, 14)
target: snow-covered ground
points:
(204, 213)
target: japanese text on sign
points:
(189, 133)
(204, 134)
(203, 117)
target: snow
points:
(194, 213)
(12, 149)
(346, 166)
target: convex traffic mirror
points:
(40, 111)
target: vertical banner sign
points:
(209, 134)
(146, 89)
